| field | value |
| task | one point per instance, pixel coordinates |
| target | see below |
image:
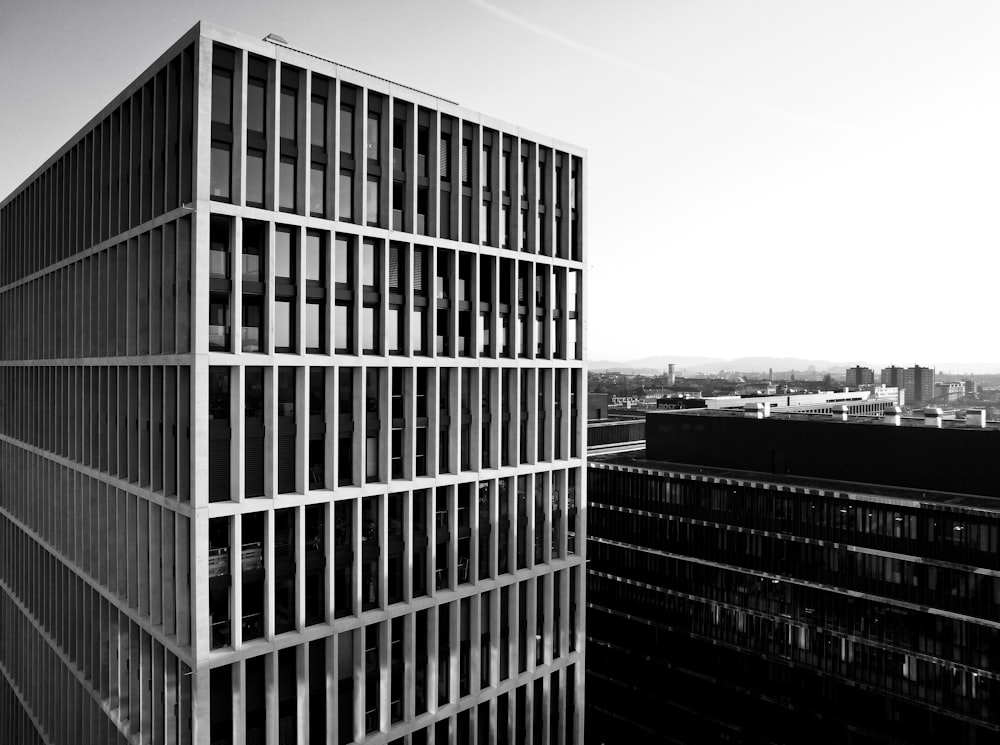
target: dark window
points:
(255, 178)
(289, 114)
(256, 105)
(222, 96)
(318, 115)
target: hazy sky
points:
(798, 178)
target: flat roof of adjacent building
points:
(908, 420)
(956, 462)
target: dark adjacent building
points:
(796, 578)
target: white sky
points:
(797, 178)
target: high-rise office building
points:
(291, 410)
(784, 578)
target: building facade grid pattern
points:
(296, 433)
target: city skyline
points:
(787, 151)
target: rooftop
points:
(953, 457)
(909, 420)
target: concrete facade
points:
(292, 416)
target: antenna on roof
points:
(275, 39)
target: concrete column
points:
(300, 564)
(236, 573)
(269, 573)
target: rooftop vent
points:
(932, 417)
(275, 39)
(975, 418)
(839, 412)
(757, 410)
(891, 415)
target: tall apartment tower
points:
(291, 417)
(917, 381)
(859, 376)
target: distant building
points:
(949, 391)
(858, 402)
(597, 406)
(917, 381)
(859, 376)
(971, 389)
(751, 580)
(757, 388)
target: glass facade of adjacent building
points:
(291, 416)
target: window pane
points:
(218, 325)
(218, 246)
(368, 267)
(395, 284)
(393, 337)
(283, 254)
(255, 178)
(282, 324)
(288, 114)
(372, 202)
(341, 265)
(417, 331)
(253, 337)
(222, 97)
(221, 171)
(443, 158)
(314, 262)
(286, 184)
(255, 107)
(346, 186)
(369, 330)
(319, 123)
(373, 148)
(341, 319)
(347, 130)
(251, 262)
(317, 190)
(371, 459)
(313, 328)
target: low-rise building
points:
(949, 390)
(754, 579)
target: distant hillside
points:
(689, 364)
(651, 365)
(973, 368)
(763, 364)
